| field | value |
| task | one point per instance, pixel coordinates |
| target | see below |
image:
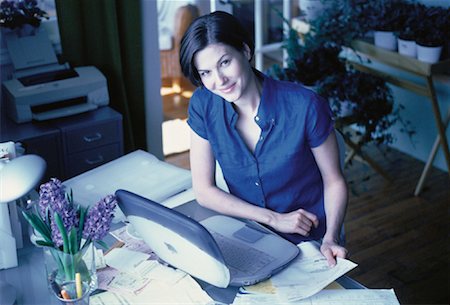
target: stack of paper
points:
(133, 278)
(328, 297)
(303, 282)
(139, 172)
(308, 274)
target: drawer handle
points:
(99, 159)
(92, 138)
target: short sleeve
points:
(319, 121)
(196, 114)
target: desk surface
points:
(29, 277)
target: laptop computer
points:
(220, 250)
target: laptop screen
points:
(175, 238)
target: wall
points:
(419, 112)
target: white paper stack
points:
(139, 172)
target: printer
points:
(43, 89)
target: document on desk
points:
(132, 242)
(186, 291)
(139, 172)
(328, 297)
(308, 274)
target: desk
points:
(29, 277)
(416, 67)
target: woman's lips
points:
(227, 89)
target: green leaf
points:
(44, 243)
(37, 223)
(73, 241)
(83, 212)
(102, 244)
(62, 230)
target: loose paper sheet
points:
(124, 259)
(186, 291)
(327, 297)
(304, 277)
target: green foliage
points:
(315, 61)
(15, 14)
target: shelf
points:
(421, 69)
(400, 61)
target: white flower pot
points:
(428, 54)
(385, 40)
(407, 47)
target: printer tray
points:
(62, 112)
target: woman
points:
(274, 140)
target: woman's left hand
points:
(331, 250)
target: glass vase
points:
(62, 267)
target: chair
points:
(170, 66)
(220, 180)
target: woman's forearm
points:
(335, 201)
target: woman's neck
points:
(248, 103)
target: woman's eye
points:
(203, 73)
(225, 62)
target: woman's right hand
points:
(299, 221)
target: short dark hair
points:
(216, 27)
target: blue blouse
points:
(281, 174)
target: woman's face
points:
(224, 71)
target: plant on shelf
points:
(15, 14)
(408, 13)
(369, 99)
(341, 23)
(316, 60)
(433, 26)
(388, 15)
(310, 65)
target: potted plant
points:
(362, 99)
(310, 65)
(388, 21)
(432, 32)
(24, 16)
(406, 35)
(341, 23)
(317, 61)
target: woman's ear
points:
(247, 52)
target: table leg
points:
(357, 150)
(439, 123)
(430, 160)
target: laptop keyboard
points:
(245, 259)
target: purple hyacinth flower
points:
(51, 194)
(52, 198)
(99, 218)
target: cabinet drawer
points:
(48, 147)
(91, 136)
(86, 160)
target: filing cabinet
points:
(89, 140)
(70, 145)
